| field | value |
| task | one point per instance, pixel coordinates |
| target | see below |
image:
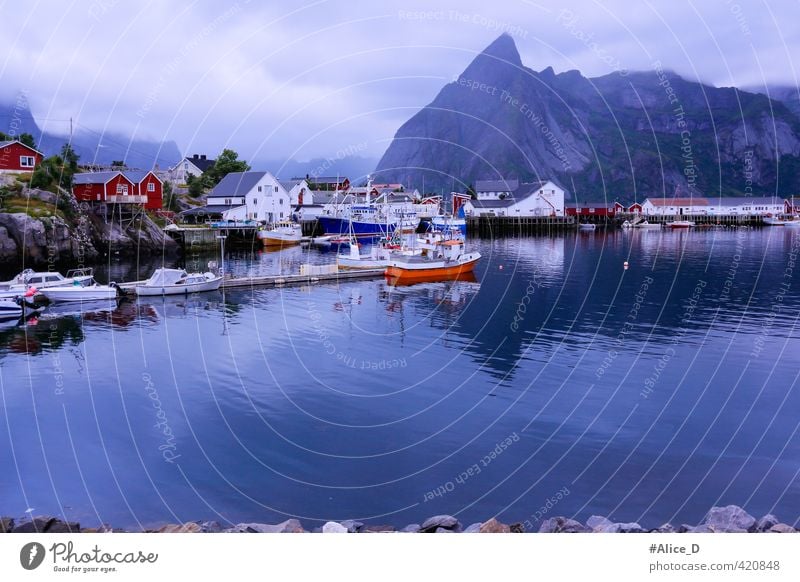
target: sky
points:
(331, 78)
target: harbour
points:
(582, 361)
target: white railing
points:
(122, 199)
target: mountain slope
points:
(90, 146)
(618, 136)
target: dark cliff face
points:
(623, 135)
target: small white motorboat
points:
(41, 280)
(679, 224)
(81, 289)
(178, 282)
(18, 306)
(283, 234)
(646, 224)
(586, 226)
(770, 220)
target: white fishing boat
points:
(178, 282)
(679, 224)
(770, 220)
(10, 309)
(587, 226)
(282, 234)
(82, 289)
(646, 224)
(41, 280)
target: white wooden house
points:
(511, 198)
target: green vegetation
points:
(25, 138)
(56, 170)
(228, 161)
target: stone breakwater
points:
(728, 519)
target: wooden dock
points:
(284, 280)
(489, 226)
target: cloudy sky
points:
(332, 77)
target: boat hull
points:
(279, 241)
(444, 224)
(78, 293)
(148, 291)
(333, 225)
(435, 270)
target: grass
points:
(32, 207)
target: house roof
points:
(492, 203)
(496, 185)
(324, 179)
(236, 184)
(200, 163)
(595, 204)
(289, 184)
(693, 201)
(97, 177)
(137, 176)
(9, 142)
(209, 209)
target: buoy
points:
(501, 267)
(625, 265)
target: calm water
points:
(647, 395)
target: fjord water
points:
(557, 383)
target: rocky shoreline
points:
(728, 519)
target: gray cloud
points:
(309, 79)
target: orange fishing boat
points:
(446, 260)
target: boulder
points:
(494, 526)
(210, 527)
(665, 528)
(730, 518)
(621, 528)
(353, 526)
(9, 252)
(444, 521)
(189, 527)
(6, 524)
(413, 528)
(474, 528)
(517, 528)
(288, 526)
(35, 525)
(334, 527)
(598, 522)
(443, 530)
(378, 529)
(562, 525)
(782, 528)
(766, 522)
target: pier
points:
(489, 226)
(284, 280)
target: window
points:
(276, 188)
(27, 161)
(186, 166)
(259, 188)
(280, 200)
(122, 189)
(255, 200)
(151, 187)
(227, 202)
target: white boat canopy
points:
(166, 277)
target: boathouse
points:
(138, 187)
(515, 199)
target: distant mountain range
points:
(621, 136)
(90, 146)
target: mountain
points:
(16, 118)
(623, 135)
(353, 167)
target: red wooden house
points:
(128, 187)
(605, 209)
(15, 156)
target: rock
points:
(494, 526)
(782, 528)
(210, 527)
(8, 247)
(333, 527)
(445, 521)
(517, 528)
(288, 526)
(6, 524)
(730, 518)
(665, 528)
(766, 522)
(189, 527)
(622, 528)
(474, 528)
(413, 528)
(704, 528)
(353, 526)
(378, 529)
(443, 530)
(598, 522)
(562, 525)
(684, 528)
(35, 525)
(58, 526)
